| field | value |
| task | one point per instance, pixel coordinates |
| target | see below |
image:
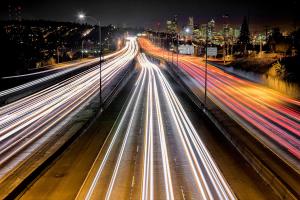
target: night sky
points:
(147, 13)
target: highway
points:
(26, 124)
(153, 150)
(269, 116)
(60, 71)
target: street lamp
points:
(177, 47)
(82, 51)
(82, 16)
(187, 30)
(187, 33)
(172, 48)
(205, 84)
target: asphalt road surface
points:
(150, 152)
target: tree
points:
(9, 55)
(244, 39)
(275, 40)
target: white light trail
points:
(206, 175)
(213, 185)
(34, 116)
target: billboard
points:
(212, 51)
(186, 49)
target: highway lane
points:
(154, 151)
(270, 116)
(28, 121)
(64, 177)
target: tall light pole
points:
(172, 47)
(82, 16)
(82, 49)
(205, 84)
(57, 52)
(177, 47)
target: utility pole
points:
(177, 48)
(83, 16)
(82, 49)
(100, 63)
(205, 84)
(158, 34)
(172, 48)
(57, 52)
(224, 53)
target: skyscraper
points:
(211, 29)
(203, 30)
(172, 25)
(14, 10)
(190, 24)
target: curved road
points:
(27, 123)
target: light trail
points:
(207, 177)
(270, 116)
(162, 137)
(27, 120)
(147, 191)
(67, 69)
(194, 148)
(136, 95)
(129, 128)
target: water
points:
(288, 88)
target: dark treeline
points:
(32, 44)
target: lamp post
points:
(187, 31)
(82, 16)
(82, 49)
(205, 86)
(57, 52)
(177, 47)
(172, 47)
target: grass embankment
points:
(287, 68)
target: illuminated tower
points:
(211, 29)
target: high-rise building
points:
(14, 10)
(211, 29)
(190, 24)
(172, 26)
(237, 33)
(203, 30)
(226, 30)
(231, 32)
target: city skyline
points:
(147, 14)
